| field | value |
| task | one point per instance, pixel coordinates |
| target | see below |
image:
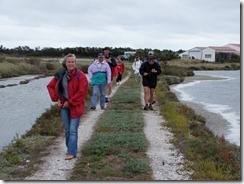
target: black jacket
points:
(147, 67)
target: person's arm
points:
(158, 69)
(89, 71)
(142, 69)
(133, 66)
(51, 89)
(108, 73)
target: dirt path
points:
(165, 160)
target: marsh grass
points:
(14, 67)
(116, 151)
(194, 64)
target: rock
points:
(24, 82)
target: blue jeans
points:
(71, 131)
(102, 89)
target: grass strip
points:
(116, 151)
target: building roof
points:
(198, 48)
(201, 48)
(219, 49)
(234, 44)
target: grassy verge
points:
(194, 64)
(213, 158)
(116, 151)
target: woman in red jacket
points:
(69, 87)
(120, 67)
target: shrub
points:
(136, 166)
(50, 66)
(34, 61)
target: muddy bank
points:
(201, 77)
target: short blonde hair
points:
(65, 58)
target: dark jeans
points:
(119, 78)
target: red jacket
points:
(77, 91)
(120, 67)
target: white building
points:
(184, 55)
(211, 53)
(195, 53)
(127, 54)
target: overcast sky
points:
(155, 24)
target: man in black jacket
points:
(149, 71)
(112, 63)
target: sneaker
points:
(150, 107)
(93, 108)
(154, 102)
(106, 99)
(146, 107)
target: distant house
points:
(184, 55)
(212, 53)
(195, 53)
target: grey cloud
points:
(159, 24)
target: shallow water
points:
(21, 105)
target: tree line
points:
(162, 55)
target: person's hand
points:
(66, 104)
(145, 74)
(154, 71)
(108, 84)
(60, 104)
(108, 60)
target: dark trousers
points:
(119, 78)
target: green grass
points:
(116, 151)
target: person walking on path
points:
(149, 71)
(136, 66)
(69, 87)
(150, 54)
(100, 75)
(112, 64)
(120, 70)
